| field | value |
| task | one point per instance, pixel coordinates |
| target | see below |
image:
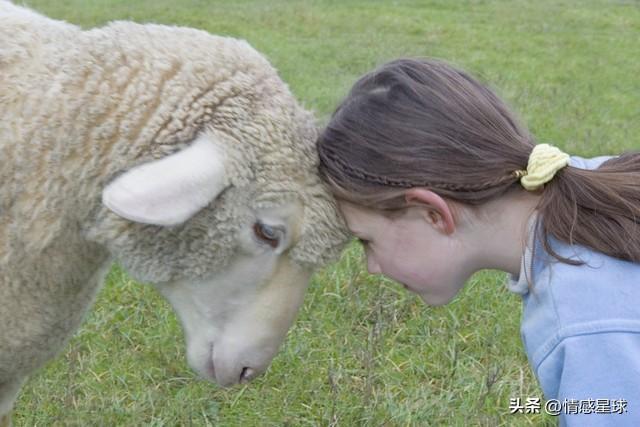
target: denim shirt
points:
(581, 329)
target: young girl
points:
(436, 177)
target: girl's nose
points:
(372, 265)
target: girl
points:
(436, 177)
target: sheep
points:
(178, 154)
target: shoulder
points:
(601, 288)
(593, 365)
(601, 295)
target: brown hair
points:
(424, 123)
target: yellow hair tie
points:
(544, 161)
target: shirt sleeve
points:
(595, 378)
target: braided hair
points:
(424, 123)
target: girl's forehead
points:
(359, 218)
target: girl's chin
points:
(435, 300)
(429, 298)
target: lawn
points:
(363, 351)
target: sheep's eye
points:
(267, 234)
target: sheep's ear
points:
(170, 190)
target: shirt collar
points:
(520, 284)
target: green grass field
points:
(363, 351)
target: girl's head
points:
(421, 132)
(421, 123)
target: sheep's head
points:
(218, 201)
(232, 257)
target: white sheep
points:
(179, 154)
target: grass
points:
(363, 351)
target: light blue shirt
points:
(581, 330)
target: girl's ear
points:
(438, 212)
(170, 190)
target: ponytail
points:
(599, 209)
(424, 123)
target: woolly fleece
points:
(80, 107)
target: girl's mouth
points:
(409, 288)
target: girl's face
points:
(414, 249)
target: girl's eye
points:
(267, 234)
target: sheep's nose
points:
(247, 375)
